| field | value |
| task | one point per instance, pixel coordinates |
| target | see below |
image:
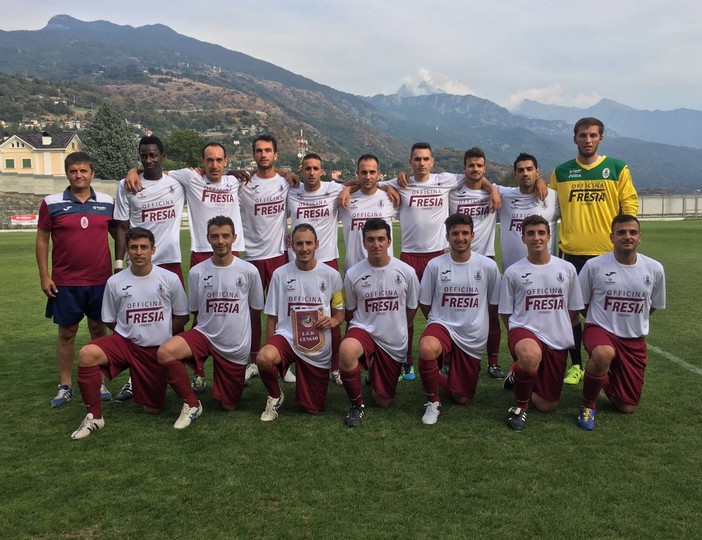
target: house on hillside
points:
(37, 152)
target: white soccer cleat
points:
(272, 406)
(431, 413)
(251, 371)
(188, 415)
(87, 426)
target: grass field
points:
(232, 476)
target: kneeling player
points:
(621, 289)
(381, 295)
(540, 298)
(225, 295)
(304, 304)
(144, 305)
(458, 292)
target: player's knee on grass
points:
(461, 400)
(381, 401)
(543, 405)
(228, 407)
(151, 410)
(624, 408)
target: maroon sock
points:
(255, 338)
(493, 342)
(336, 340)
(523, 386)
(89, 381)
(443, 383)
(269, 378)
(177, 377)
(429, 373)
(410, 338)
(352, 385)
(592, 385)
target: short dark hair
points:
(458, 219)
(220, 221)
(139, 232)
(375, 224)
(420, 146)
(367, 157)
(474, 152)
(535, 219)
(588, 121)
(624, 218)
(525, 157)
(311, 155)
(213, 143)
(151, 139)
(304, 227)
(265, 138)
(78, 157)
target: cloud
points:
(426, 83)
(552, 95)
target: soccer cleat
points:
(586, 418)
(126, 393)
(87, 426)
(445, 369)
(289, 376)
(508, 381)
(272, 405)
(408, 372)
(355, 416)
(336, 377)
(574, 375)
(431, 413)
(495, 371)
(199, 384)
(517, 418)
(188, 415)
(251, 371)
(65, 394)
(105, 394)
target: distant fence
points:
(670, 206)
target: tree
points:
(111, 143)
(184, 147)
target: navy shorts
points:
(73, 302)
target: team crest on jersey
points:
(478, 276)
(239, 282)
(322, 286)
(281, 188)
(445, 275)
(647, 280)
(171, 189)
(560, 278)
(84, 222)
(544, 204)
(398, 278)
(381, 204)
(605, 172)
(161, 289)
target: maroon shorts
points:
(176, 269)
(549, 379)
(463, 375)
(626, 372)
(383, 370)
(228, 381)
(312, 381)
(419, 261)
(148, 379)
(196, 257)
(266, 267)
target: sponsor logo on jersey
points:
(459, 300)
(426, 200)
(269, 208)
(473, 210)
(380, 304)
(445, 275)
(291, 284)
(217, 196)
(311, 212)
(624, 305)
(544, 302)
(222, 306)
(516, 225)
(144, 315)
(158, 214)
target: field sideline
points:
(232, 476)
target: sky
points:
(644, 54)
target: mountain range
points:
(165, 80)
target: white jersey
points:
(476, 204)
(361, 208)
(538, 297)
(320, 209)
(423, 211)
(222, 296)
(263, 216)
(143, 306)
(459, 294)
(380, 297)
(515, 207)
(158, 207)
(620, 296)
(291, 290)
(207, 199)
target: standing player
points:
(621, 289)
(144, 305)
(381, 295)
(539, 298)
(317, 203)
(225, 295)
(458, 291)
(520, 202)
(77, 223)
(304, 304)
(592, 190)
(366, 203)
